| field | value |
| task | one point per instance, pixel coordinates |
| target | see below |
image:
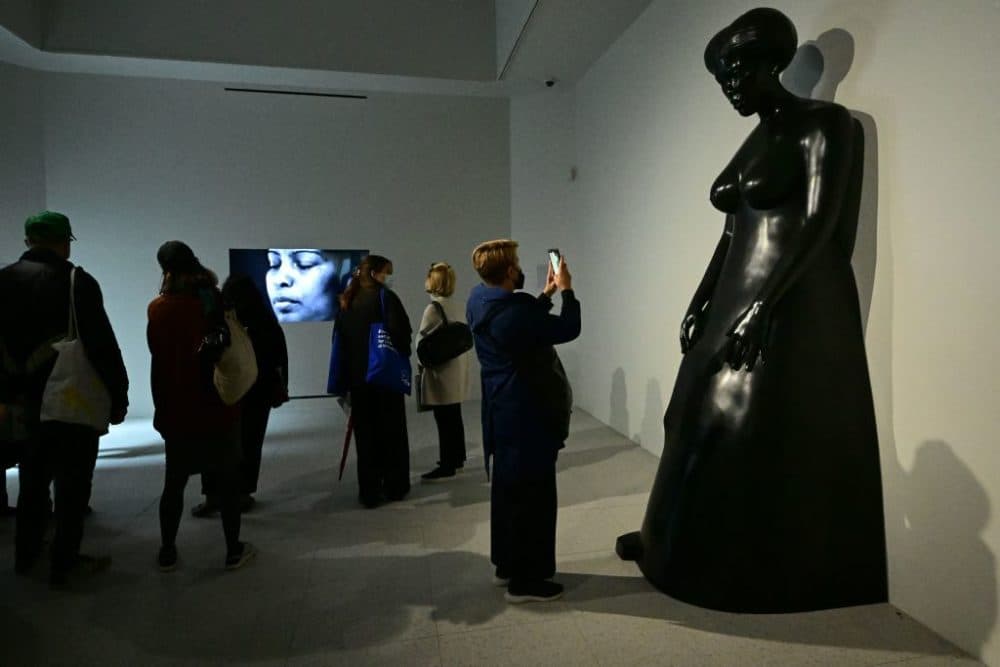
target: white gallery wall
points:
(648, 131)
(135, 162)
(22, 165)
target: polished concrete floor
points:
(405, 584)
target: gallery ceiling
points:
(433, 40)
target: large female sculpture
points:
(768, 495)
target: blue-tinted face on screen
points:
(302, 283)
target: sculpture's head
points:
(747, 56)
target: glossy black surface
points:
(768, 493)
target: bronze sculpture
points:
(768, 493)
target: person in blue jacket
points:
(514, 333)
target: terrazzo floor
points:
(406, 584)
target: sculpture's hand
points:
(691, 327)
(747, 337)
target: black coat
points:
(354, 326)
(34, 312)
(509, 327)
(270, 350)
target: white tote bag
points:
(236, 370)
(74, 392)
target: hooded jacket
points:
(506, 328)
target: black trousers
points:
(523, 527)
(451, 435)
(63, 455)
(186, 457)
(255, 414)
(383, 445)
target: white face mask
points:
(386, 282)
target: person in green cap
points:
(35, 295)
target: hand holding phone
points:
(559, 275)
(555, 259)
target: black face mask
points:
(519, 282)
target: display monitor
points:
(300, 284)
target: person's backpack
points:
(444, 342)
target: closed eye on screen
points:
(307, 260)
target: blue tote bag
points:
(387, 368)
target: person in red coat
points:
(200, 432)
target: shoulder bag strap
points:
(440, 310)
(73, 331)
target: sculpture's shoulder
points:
(826, 118)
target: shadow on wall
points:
(945, 512)
(939, 507)
(619, 402)
(650, 434)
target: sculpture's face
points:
(741, 75)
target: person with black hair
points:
(768, 496)
(379, 418)
(200, 432)
(269, 390)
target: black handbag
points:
(444, 342)
(418, 390)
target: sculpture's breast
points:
(771, 178)
(763, 179)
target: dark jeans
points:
(382, 443)
(451, 435)
(523, 527)
(63, 455)
(222, 465)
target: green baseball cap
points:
(49, 226)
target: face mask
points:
(384, 283)
(519, 281)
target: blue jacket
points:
(505, 326)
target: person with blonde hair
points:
(444, 387)
(526, 406)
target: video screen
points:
(300, 284)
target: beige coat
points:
(448, 383)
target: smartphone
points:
(555, 259)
